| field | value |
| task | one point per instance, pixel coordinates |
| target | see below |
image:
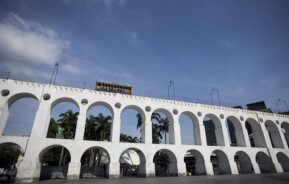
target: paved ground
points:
(224, 179)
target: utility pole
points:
(171, 85)
(215, 91)
(8, 75)
(54, 73)
(279, 102)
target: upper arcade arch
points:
(255, 133)
(164, 125)
(235, 131)
(132, 122)
(24, 107)
(195, 127)
(274, 134)
(214, 130)
(285, 130)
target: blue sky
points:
(240, 47)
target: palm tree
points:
(156, 134)
(91, 126)
(164, 127)
(68, 122)
(53, 129)
(104, 124)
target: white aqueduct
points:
(269, 132)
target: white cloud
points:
(25, 40)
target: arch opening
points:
(95, 163)
(243, 162)
(11, 155)
(54, 162)
(220, 162)
(255, 133)
(132, 125)
(285, 130)
(18, 115)
(62, 124)
(213, 129)
(165, 163)
(132, 163)
(274, 134)
(162, 127)
(235, 132)
(195, 164)
(284, 161)
(190, 131)
(98, 123)
(265, 163)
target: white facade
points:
(50, 95)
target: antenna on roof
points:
(54, 73)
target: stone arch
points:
(55, 164)
(140, 118)
(283, 160)
(101, 103)
(11, 155)
(52, 130)
(165, 163)
(255, 133)
(132, 163)
(7, 107)
(105, 114)
(214, 130)
(243, 163)
(195, 163)
(235, 131)
(196, 128)
(265, 163)
(285, 129)
(171, 122)
(274, 134)
(95, 163)
(220, 162)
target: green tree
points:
(164, 127)
(104, 126)
(128, 138)
(68, 122)
(53, 129)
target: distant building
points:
(258, 106)
(113, 88)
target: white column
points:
(209, 168)
(266, 136)
(225, 134)
(246, 136)
(148, 129)
(114, 170)
(174, 131)
(203, 134)
(150, 170)
(182, 170)
(233, 165)
(73, 170)
(4, 114)
(42, 120)
(80, 126)
(28, 171)
(115, 129)
(283, 138)
(256, 167)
